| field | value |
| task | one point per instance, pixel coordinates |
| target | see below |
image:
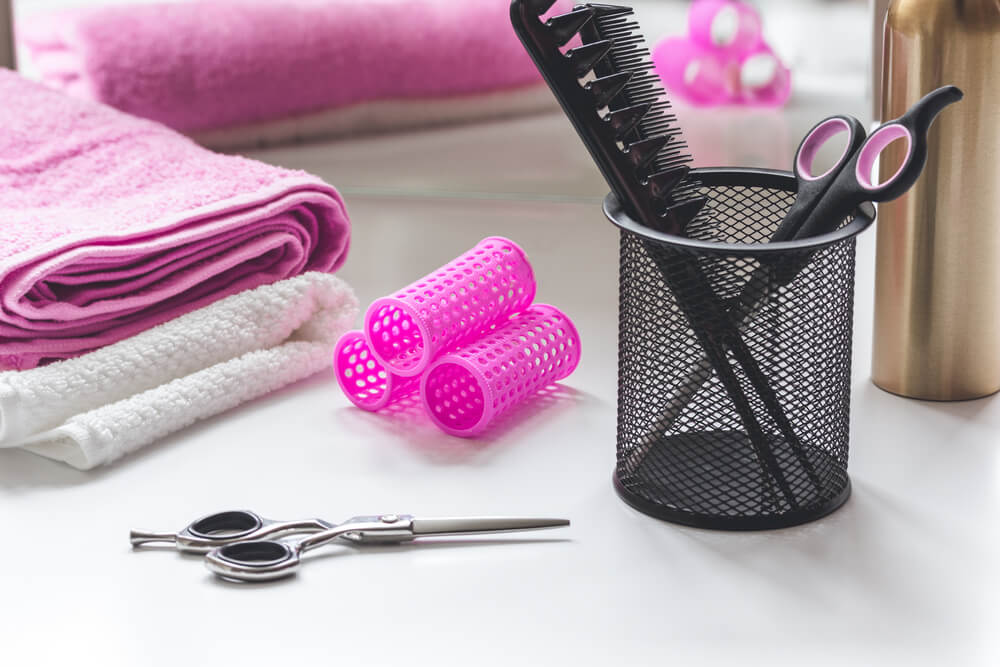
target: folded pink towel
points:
(111, 224)
(202, 66)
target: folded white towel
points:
(95, 408)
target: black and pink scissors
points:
(825, 200)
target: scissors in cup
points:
(824, 201)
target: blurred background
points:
(827, 44)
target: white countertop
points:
(905, 573)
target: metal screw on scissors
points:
(236, 548)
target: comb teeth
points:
(540, 6)
(583, 58)
(676, 218)
(566, 26)
(662, 183)
(609, 11)
(617, 105)
(607, 88)
(625, 120)
(642, 152)
(630, 53)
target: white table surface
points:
(904, 573)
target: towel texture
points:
(95, 408)
(202, 66)
(111, 224)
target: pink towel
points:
(215, 64)
(111, 224)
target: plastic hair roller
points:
(457, 303)
(723, 59)
(724, 25)
(365, 381)
(468, 389)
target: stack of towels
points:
(166, 283)
(145, 282)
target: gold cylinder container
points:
(937, 293)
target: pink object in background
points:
(363, 379)
(763, 79)
(455, 304)
(723, 59)
(468, 389)
(110, 225)
(726, 26)
(692, 70)
(205, 66)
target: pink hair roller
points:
(687, 67)
(764, 80)
(724, 25)
(459, 302)
(723, 59)
(364, 380)
(469, 388)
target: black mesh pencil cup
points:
(735, 361)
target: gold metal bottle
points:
(937, 292)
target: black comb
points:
(608, 90)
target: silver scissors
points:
(236, 549)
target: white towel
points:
(95, 408)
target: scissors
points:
(825, 200)
(236, 549)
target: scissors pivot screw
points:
(389, 518)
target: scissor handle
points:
(262, 560)
(211, 530)
(265, 560)
(818, 137)
(813, 187)
(872, 150)
(854, 184)
(219, 528)
(225, 526)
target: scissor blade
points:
(467, 525)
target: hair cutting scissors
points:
(236, 548)
(825, 200)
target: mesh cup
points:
(363, 379)
(465, 390)
(735, 444)
(453, 305)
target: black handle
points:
(811, 190)
(847, 192)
